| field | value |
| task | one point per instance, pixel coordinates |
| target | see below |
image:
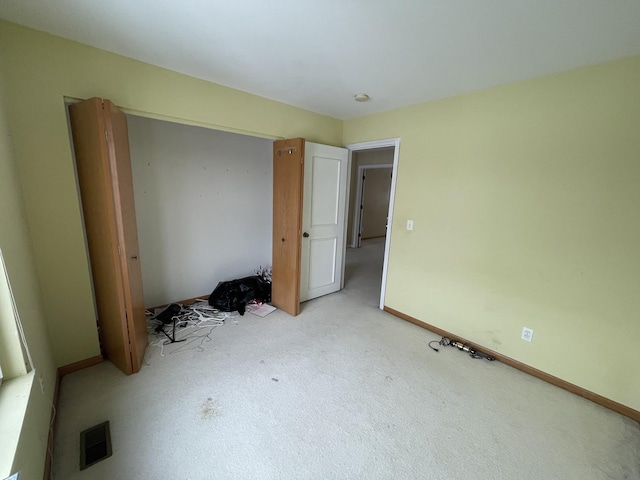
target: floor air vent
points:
(95, 445)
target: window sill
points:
(14, 398)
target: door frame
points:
(390, 142)
(357, 211)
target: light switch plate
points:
(409, 225)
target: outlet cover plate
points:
(527, 334)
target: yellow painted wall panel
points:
(525, 205)
(41, 70)
(16, 246)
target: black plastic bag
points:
(235, 294)
(166, 316)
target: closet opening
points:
(169, 210)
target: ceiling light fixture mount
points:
(361, 97)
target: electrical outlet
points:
(527, 334)
(409, 225)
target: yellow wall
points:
(526, 203)
(40, 71)
(16, 248)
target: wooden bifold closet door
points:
(288, 176)
(101, 144)
(309, 212)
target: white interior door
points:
(323, 220)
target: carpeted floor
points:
(343, 391)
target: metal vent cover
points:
(95, 445)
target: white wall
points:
(203, 206)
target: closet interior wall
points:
(204, 206)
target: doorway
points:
(371, 201)
(372, 254)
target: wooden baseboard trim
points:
(62, 371)
(188, 301)
(594, 397)
(74, 367)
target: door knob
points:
(305, 235)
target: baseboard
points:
(594, 397)
(62, 371)
(188, 301)
(74, 367)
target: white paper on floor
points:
(261, 310)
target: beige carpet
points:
(343, 391)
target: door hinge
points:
(126, 316)
(106, 137)
(118, 249)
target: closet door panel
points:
(88, 128)
(122, 181)
(288, 171)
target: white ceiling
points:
(316, 54)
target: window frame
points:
(15, 359)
